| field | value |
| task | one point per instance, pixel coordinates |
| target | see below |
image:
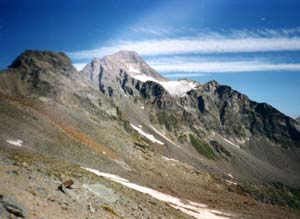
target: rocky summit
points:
(118, 140)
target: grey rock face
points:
(10, 208)
(36, 73)
(43, 60)
(102, 192)
(210, 106)
(225, 111)
(236, 116)
(119, 69)
(124, 61)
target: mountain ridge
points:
(210, 90)
(140, 131)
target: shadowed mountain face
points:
(31, 71)
(120, 115)
(236, 116)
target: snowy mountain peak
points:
(128, 56)
(135, 67)
(125, 61)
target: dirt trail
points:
(77, 135)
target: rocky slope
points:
(217, 114)
(186, 141)
(218, 107)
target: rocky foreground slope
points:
(188, 150)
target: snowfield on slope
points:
(169, 159)
(230, 142)
(132, 68)
(174, 88)
(194, 209)
(149, 136)
(159, 133)
(18, 142)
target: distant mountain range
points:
(211, 105)
(120, 115)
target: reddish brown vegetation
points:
(81, 137)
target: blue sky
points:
(253, 46)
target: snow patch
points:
(230, 175)
(174, 88)
(18, 142)
(230, 182)
(149, 136)
(158, 132)
(106, 175)
(282, 123)
(169, 159)
(132, 69)
(196, 210)
(178, 88)
(142, 107)
(44, 99)
(297, 127)
(144, 78)
(231, 143)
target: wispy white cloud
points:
(238, 41)
(166, 31)
(224, 67)
(158, 31)
(203, 65)
(231, 41)
(79, 66)
(170, 31)
(184, 75)
(191, 67)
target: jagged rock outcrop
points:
(37, 74)
(116, 70)
(237, 117)
(51, 77)
(201, 108)
(123, 61)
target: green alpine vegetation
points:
(203, 148)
